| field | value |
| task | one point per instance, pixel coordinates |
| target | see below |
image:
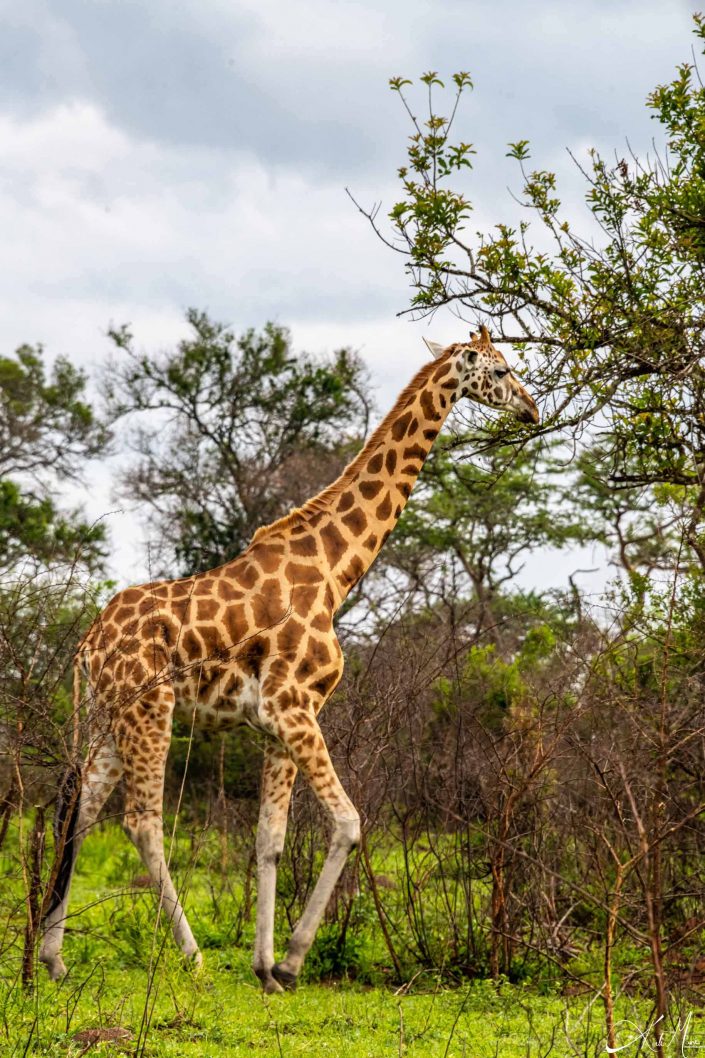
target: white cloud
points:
(334, 31)
(93, 218)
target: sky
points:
(157, 156)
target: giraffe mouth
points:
(524, 406)
(529, 414)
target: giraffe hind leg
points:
(278, 774)
(83, 794)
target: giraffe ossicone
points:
(253, 642)
(434, 348)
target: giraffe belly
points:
(219, 701)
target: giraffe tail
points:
(65, 818)
(66, 813)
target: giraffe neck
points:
(354, 516)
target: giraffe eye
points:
(501, 372)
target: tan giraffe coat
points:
(252, 642)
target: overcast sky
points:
(157, 155)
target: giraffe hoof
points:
(271, 987)
(285, 978)
(56, 967)
(194, 962)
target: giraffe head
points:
(485, 376)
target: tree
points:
(47, 432)
(640, 524)
(33, 531)
(230, 433)
(605, 314)
(608, 324)
(46, 425)
(476, 521)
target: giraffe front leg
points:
(278, 774)
(308, 750)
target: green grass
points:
(221, 1011)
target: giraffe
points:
(252, 642)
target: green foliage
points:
(47, 432)
(519, 150)
(349, 957)
(242, 763)
(658, 654)
(430, 215)
(42, 616)
(45, 422)
(607, 321)
(680, 108)
(34, 531)
(494, 685)
(231, 432)
(479, 521)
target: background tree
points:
(48, 431)
(640, 524)
(239, 431)
(472, 524)
(50, 562)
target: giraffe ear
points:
(434, 348)
(485, 334)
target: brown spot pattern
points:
(385, 509)
(369, 489)
(399, 427)
(334, 543)
(356, 521)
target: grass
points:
(111, 1004)
(221, 1013)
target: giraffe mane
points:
(320, 502)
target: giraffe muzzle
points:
(529, 412)
(524, 406)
